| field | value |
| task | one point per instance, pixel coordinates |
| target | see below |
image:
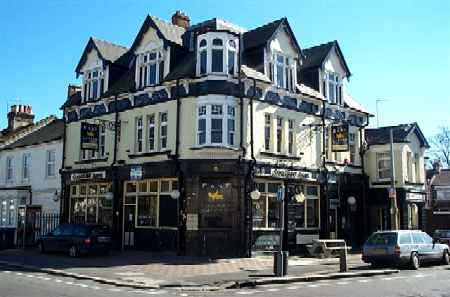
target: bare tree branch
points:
(441, 145)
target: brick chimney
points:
(20, 116)
(180, 19)
(72, 89)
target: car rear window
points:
(442, 233)
(383, 239)
(100, 230)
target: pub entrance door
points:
(129, 219)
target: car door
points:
(50, 241)
(419, 245)
(433, 249)
(66, 237)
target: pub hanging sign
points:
(339, 138)
(89, 136)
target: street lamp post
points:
(392, 191)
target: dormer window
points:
(150, 68)
(282, 71)
(332, 88)
(216, 54)
(93, 85)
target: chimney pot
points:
(180, 19)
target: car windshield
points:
(383, 239)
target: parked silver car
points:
(400, 247)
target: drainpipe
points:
(63, 201)
(181, 202)
(325, 175)
(115, 204)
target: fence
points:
(32, 225)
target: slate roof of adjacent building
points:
(316, 55)
(400, 134)
(442, 179)
(50, 132)
(259, 36)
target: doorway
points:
(129, 219)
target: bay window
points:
(150, 68)
(216, 53)
(93, 84)
(216, 124)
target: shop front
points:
(299, 203)
(150, 214)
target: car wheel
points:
(41, 247)
(446, 258)
(73, 251)
(414, 261)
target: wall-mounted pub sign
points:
(339, 138)
(89, 136)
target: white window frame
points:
(163, 123)
(291, 137)
(289, 71)
(266, 194)
(267, 131)
(226, 47)
(151, 126)
(227, 106)
(383, 156)
(8, 212)
(334, 79)
(50, 163)
(9, 176)
(88, 84)
(143, 67)
(279, 135)
(139, 141)
(26, 166)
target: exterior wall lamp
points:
(255, 194)
(352, 202)
(175, 194)
(56, 196)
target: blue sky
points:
(397, 50)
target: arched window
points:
(203, 56)
(217, 55)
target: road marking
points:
(82, 285)
(46, 278)
(114, 290)
(364, 280)
(58, 281)
(19, 273)
(29, 275)
(312, 286)
(6, 271)
(272, 290)
(154, 292)
(387, 278)
(184, 294)
(293, 287)
(247, 292)
(69, 283)
(95, 288)
(419, 275)
(342, 283)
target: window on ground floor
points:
(266, 210)
(304, 209)
(154, 205)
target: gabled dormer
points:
(95, 67)
(325, 69)
(273, 50)
(157, 43)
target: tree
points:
(441, 145)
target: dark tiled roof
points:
(185, 69)
(259, 36)
(442, 179)
(50, 132)
(400, 133)
(73, 100)
(170, 31)
(314, 56)
(124, 84)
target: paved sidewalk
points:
(144, 269)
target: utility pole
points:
(392, 191)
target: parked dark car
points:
(442, 236)
(399, 247)
(77, 239)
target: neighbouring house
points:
(188, 138)
(30, 160)
(410, 184)
(438, 199)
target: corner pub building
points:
(188, 121)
